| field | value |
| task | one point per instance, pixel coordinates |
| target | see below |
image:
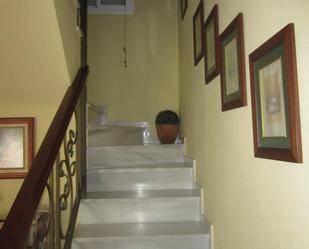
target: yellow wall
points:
(34, 71)
(253, 203)
(67, 18)
(150, 83)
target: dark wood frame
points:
(29, 143)
(212, 16)
(286, 36)
(183, 9)
(235, 26)
(199, 10)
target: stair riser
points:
(115, 136)
(148, 179)
(133, 155)
(147, 244)
(139, 210)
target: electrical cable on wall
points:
(125, 35)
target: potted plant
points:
(167, 126)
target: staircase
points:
(141, 197)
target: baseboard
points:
(211, 233)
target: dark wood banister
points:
(14, 232)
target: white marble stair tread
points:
(110, 127)
(144, 146)
(134, 154)
(140, 206)
(139, 167)
(89, 232)
(179, 235)
(168, 242)
(143, 194)
(186, 164)
(119, 179)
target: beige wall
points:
(34, 71)
(253, 203)
(150, 83)
(67, 18)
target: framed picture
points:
(274, 90)
(198, 20)
(212, 48)
(16, 146)
(183, 8)
(233, 76)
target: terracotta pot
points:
(167, 133)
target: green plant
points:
(167, 117)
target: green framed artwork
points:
(198, 20)
(16, 147)
(183, 8)
(212, 48)
(233, 76)
(275, 106)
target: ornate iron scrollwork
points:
(67, 170)
(41, 225)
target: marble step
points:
(113, 156)
(163, 235)
(141, 177)
(140, 206)
(188, 163)
(112, 135)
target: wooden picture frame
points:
(198, 21)
(211, 45)
(183, 8)
(16, 147)
(274, 95)
(233, 71)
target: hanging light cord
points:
(125, 36)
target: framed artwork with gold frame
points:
(16, 146)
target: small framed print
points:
(16, 146)
(212, 48)
(275, 105)
(183, 8)
(198, 20)
(233, 76)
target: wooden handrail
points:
(15, 230)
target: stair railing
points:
(95, 108)
(54, 183)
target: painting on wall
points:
(16, 146)
(233, 76)
(183, 8)
(212, 49)
(198, 20)
(274, 90)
